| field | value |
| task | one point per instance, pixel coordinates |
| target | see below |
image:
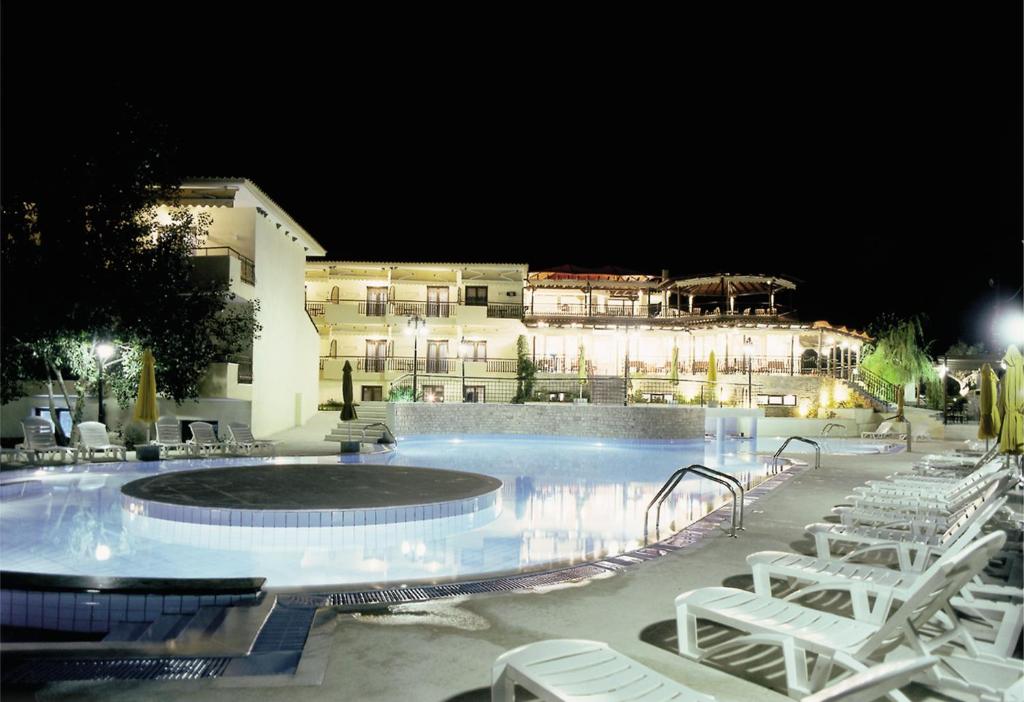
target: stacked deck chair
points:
(884, 431)
(576, 670)
(914, 542)
(928, 498)
(204, 441)
(40, 442)
(241, 440)
(93, 441)
(168, 437)
(924, 622)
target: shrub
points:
(133, 434)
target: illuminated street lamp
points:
(417, 326)
(103, 353)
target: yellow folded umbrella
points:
(146, 409)
(1011, 403)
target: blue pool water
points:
(562, 501)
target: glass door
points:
(437, 301)
(437, 356)
(376, 355)
(376, 301)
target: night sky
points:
(876, 158)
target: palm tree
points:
(900, 356)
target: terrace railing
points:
(248, 268)
(504, 311)
(638, 310)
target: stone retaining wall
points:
(601, 421)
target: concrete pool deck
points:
(443, 650)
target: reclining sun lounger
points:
(93, 440)
(168, 436)
(915, 545)
(203, 439)
(999, 607)
(573, 670)
(241, 439)
(884, 431)
(40, 442)
(837, 640)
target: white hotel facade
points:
(452, 329)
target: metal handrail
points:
(674, 480)
(387, 429)
(831, 425)
(817, 452)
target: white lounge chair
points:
(998, 607)
(241, 439)
(838, 640)
(941, 503)
(914, 546)
(575, 670)
(40, 442)
(168, 436)
(204, 440)
(884, 431)
(93, 440)
(552, 671)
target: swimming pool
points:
(562, 501)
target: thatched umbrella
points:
(988, 425)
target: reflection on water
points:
(563, 501)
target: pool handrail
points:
(705, 472)
(830, 426)
(387, 432)
(817, 453)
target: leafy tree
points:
(526, 371)
(899, 355)
(86, 258)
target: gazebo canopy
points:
(725, 284)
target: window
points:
(777, 400)
(373, 393)
(476, 295)
(474, 351)
(433, 393)
(475, 393)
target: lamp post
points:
(748, 351)
(416, 326)
(103, 352)
(942, 379)
(463, 350)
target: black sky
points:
(874, 156)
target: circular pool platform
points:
(310, 495)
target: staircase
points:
(607, 390)
(880, 393)
(367, 413)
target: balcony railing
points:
(641, 311)
(248, 269)
(404, 364)
(316, 309)
(504, 311)
(758, 365)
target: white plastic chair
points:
(838, 640)
(204, 440)
(241, 439)
(168, 436)
(40, 441)
(571, 670)
(93, 440)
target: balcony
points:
(362, 312)
(331, 366)
(651, 313)
(224, 263)
(662, 367)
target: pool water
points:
(562, 501)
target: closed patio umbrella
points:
(988, 425)
(1011, 403)
(673, 373)
(712, 380)
(146, 410)
(581, 372)
(348, 407)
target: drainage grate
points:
(35, 671)
(286, 629)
